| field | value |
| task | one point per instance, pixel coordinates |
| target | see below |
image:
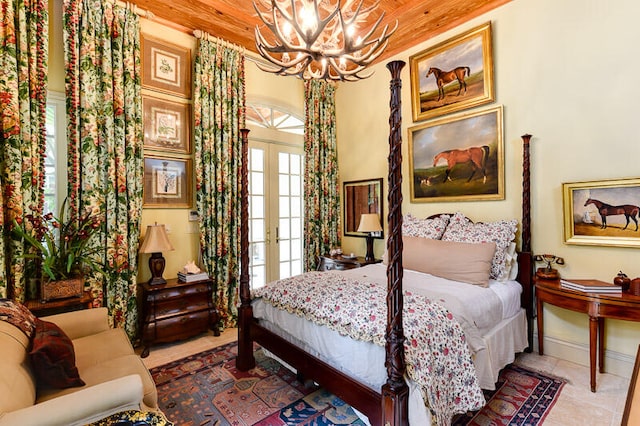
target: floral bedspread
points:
(436, 351)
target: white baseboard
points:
(614, 362)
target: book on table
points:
(192, 277)
(591, 286)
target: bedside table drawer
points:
(329, 265)
(183, 325)
(339, 263)
(178, 292)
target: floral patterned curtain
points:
(219, 114)
(322, 196)
(24, 38)
(104, 107)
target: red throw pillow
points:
(52, 357)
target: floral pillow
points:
(18, 315)
(501, 232)
(426, 228)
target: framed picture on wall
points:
(166, 125)
(602, 213)
(453, 75)
(167, 182)
(361, 197)
(458, 158)
(166, 67)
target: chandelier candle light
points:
(155, 242)
(319, 39)
(369, 223)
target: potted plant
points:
(63, 248)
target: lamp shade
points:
(369, 222)
(156, 240)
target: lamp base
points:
(156, 265)
(369, 256)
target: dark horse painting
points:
(445, 77)
(476, 156)
(628, 210)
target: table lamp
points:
(369, 223)
(155, 242)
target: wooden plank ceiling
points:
(235, 20)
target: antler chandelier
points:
(319, 38)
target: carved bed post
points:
(395, 392)
(526, 263)
(245, 359)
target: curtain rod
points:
(206, 36)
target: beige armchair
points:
(115, 377)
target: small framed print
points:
(166, 67)
(166, 125)
(167, 182)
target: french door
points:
(275, 211)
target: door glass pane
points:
(257, 206)
(257, 230)
(296, 249)
(257, 159)
(258, 274)
(296, 267)
(284, 185)
(257, 183)
(296, 161)
(296, 228)
(295, 206)
(295, 185)
(283, 163)
(284, 207)
(285, 250)
(285, 270)
(284, 229)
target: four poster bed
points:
(369, 372)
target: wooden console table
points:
(57, 306)
(598, 306)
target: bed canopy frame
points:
(390, 405)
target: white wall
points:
(566, 72)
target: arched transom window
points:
(274, 118)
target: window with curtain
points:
(55, 180)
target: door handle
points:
(277, 235)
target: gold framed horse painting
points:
(453, 75)
(603, 213)
(458, 158)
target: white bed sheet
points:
(500, 339)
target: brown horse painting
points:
(445, 77)
(475, 155)
(628, 210)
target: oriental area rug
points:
(206, 389)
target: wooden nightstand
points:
(340, 263)
(176, 310)
(598, 306)
(58, 306)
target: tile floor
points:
(577, 405)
